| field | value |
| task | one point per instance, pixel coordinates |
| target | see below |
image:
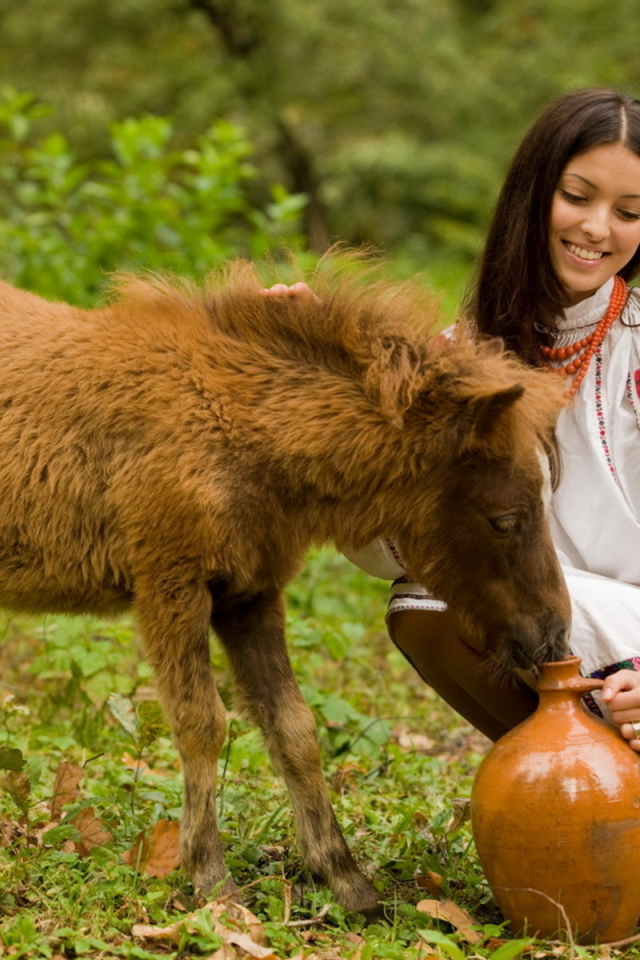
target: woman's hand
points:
(295, 290)
(621, 693)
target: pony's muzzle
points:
(527, 649)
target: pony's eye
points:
(506, 525)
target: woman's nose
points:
(596, 224)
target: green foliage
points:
(394, 803)
(11, 759)
(396, 119)
(65, 223)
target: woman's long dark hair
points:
(516, 283)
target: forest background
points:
(393, 119)
(174, 134)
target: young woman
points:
(552, 282)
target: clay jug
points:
(555, 813)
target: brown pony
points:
(177, 452)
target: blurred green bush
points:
(65, 224)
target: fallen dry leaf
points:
(273, 851)
(135, 763)
(240, 916)
(425, 952)
(225, 952)
(141, 768)
(319, 918)
(65, 789)
(17, 785)
(347, 777)
(160, 853)
(9, 831)
(461, 814)
(355, 938)
(239, 920)
(248, 945)
(450, 912)
(406, 739)
(431, 881)
(149, 931)
(92, 831)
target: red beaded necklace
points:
(580, 364)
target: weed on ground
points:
(90, 799)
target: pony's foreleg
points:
(253, 635)
(175, 627)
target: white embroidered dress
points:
(596, 508)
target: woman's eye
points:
(572, 197)
(629, 215)
(506, 525)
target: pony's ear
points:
(396, 376)
(487, 418)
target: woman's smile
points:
(583, 253)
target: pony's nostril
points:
(556, 640)
(522, 657)
(559, 646)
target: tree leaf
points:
(511, 949)
(11, 759)
(151, 722)
(122, 709)
(445, 943)
(59, 834)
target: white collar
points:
(587, 312)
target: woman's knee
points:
(429, 631)
(427, 640)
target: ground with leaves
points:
(90, 800)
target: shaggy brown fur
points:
(178, 452)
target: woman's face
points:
(595, 218)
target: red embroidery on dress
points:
(600, 415)
(395, 553)
(630, 396)
(636, 380)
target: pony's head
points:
(477, 531)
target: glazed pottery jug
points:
(555, 813)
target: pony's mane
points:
(344, 323)
(357, 324)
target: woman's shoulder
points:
(630, 316)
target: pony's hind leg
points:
(253, 636)
(175, 628)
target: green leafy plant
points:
(65, 223)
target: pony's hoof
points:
(360, 896)
(375, 913)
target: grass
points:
(394, 799)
